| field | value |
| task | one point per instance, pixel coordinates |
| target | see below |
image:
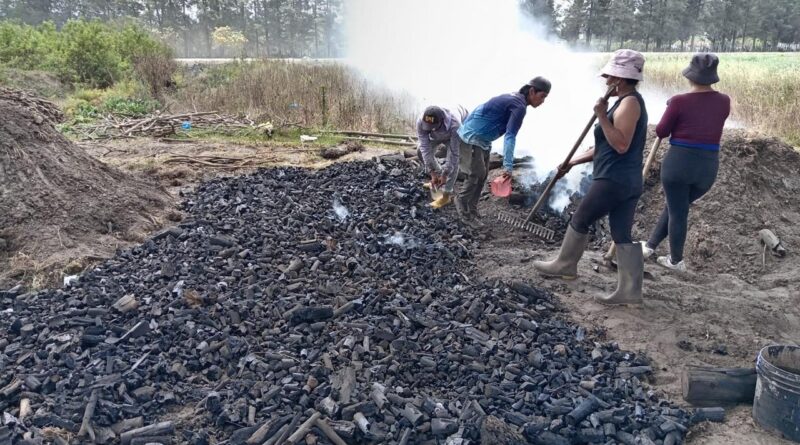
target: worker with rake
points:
(501, 115)
(439, 126)
(616, 181)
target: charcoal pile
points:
(313, 307)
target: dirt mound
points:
(757, 188)
(58, 202)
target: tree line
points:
(203, 28)
(675, 25)
(313, 28)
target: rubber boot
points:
(565, 266)
(630, 273)
(443, 201)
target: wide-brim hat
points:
(702, 69)
(625, 64)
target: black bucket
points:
(776, 406)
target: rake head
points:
(519, 223)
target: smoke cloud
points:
(463, 52)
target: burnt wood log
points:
(304, 428)
(329, 432)
(86, 424)
(716, 414)
(155, 430)
(714, 386)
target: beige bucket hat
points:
(625, 64)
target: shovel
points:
(526, 224)
(647, 163)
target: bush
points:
(124, 98)
(91, 53)
(129, 107)
(88, 54)
(24, 46)
(156, 70)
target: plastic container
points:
(776, 406)
(501, 186)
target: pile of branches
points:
(163, 125)
(43, 109)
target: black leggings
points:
(606, 197)
(686, 174)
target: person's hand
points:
(436, 179)
(563, 169)
(601, 107)
(506, 174)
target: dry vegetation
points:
(765, 87)
(308, 94)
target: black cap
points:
(432, 118)
(539, 83)
(702, 69)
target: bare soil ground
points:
(732, 302)
(58, 203)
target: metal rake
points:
(519, 223)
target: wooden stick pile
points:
(378, 138)
(45, 110)
(162, 125)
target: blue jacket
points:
(500, 115)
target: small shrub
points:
(89, 55)
(129, 107)
(156, 70)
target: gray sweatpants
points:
(474, 162)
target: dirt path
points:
(698, 318)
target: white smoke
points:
(401, 240)
(463, 52)
(341, 211)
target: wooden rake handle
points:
(647, 163)
(571, 153)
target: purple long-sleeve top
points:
(447, 133)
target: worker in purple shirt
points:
(694, 122)
(440, 126)
(501, 115)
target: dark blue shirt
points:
(624, 169)
(500, 115)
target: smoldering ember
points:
(266, 317)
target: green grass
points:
(764, 87)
